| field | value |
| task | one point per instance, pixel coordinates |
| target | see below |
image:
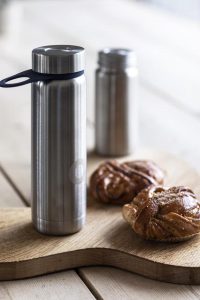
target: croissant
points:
(118, 183)
(164, 214)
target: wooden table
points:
(168, 50)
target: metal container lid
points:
(117, 58)
(58, 59)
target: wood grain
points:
(112, 283)
(8, 197)
(63, 285)
(105, 240)
(19, 176)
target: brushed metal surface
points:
(59, 156)
(116, 111)
(117, 58)
(58, 59)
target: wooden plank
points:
(20, 177)
(111, 283)
(64, 285)
(163, 126)
(8, 197)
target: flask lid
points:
(58, 59)
(117, 58)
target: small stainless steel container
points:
(58, 141)
(116, 102)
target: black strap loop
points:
(34, 77)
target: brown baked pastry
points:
(162, 214)
(117, 183)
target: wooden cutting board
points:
(105, 240)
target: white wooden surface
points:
(111, 283)
(168, 50)
(63, 285)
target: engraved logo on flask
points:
(77, 171)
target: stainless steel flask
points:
(116, 102)
(59, 141)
